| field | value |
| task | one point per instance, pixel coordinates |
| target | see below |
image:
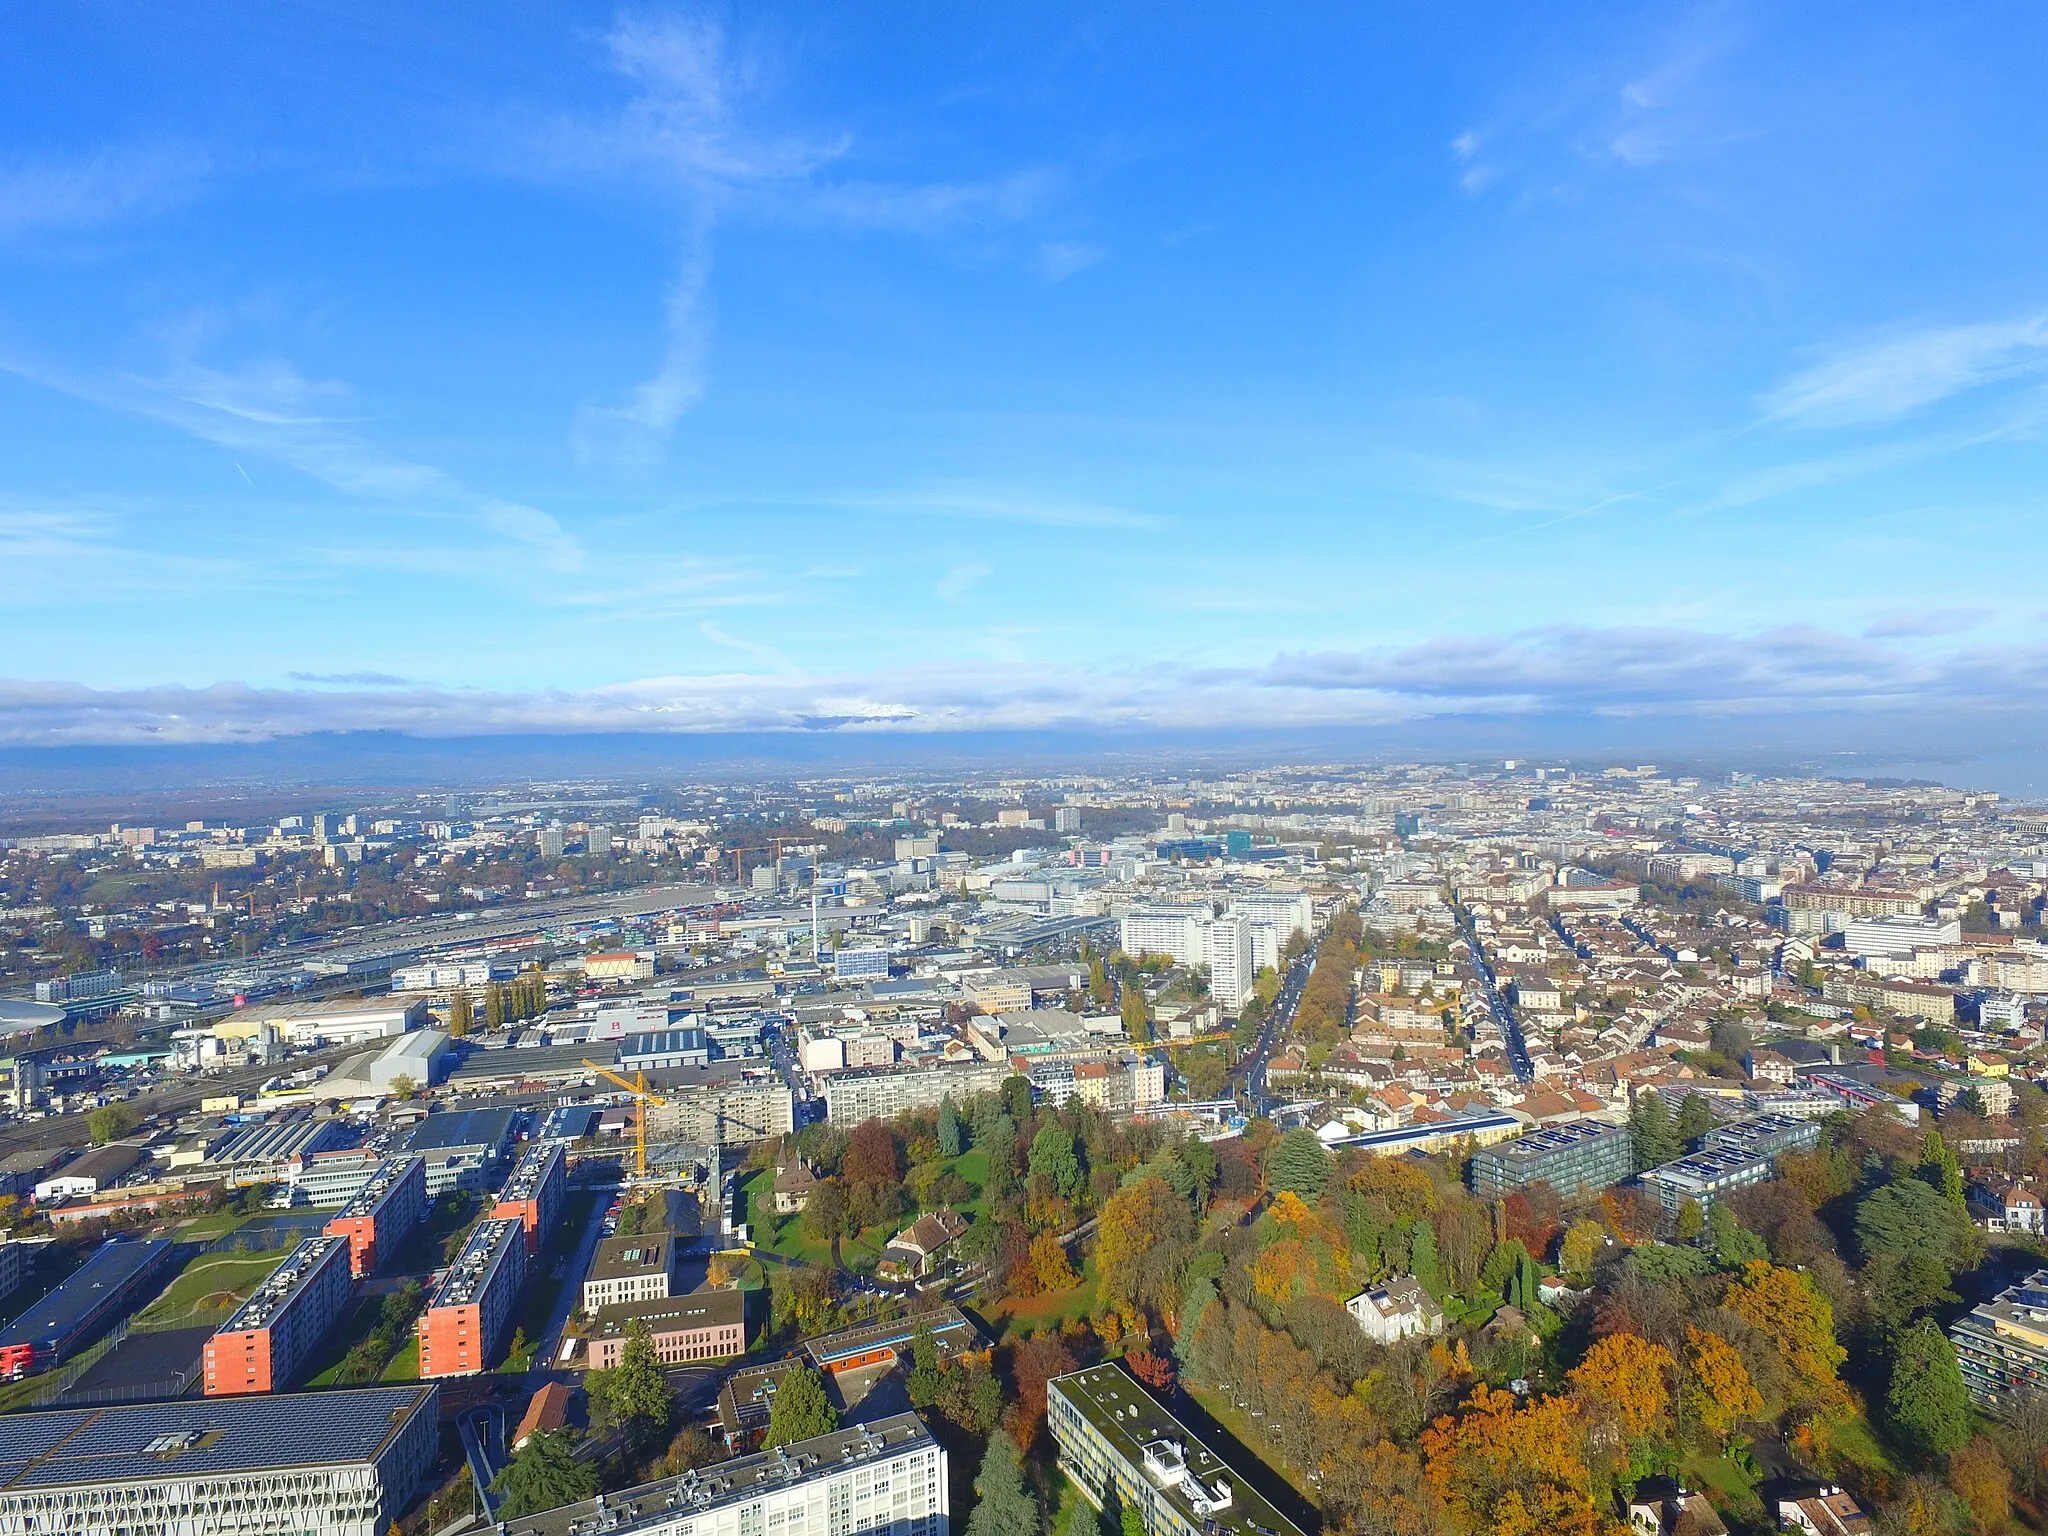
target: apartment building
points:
(472, 1308)
(1578, 1158)
(380, 1214)
(533, 1194)
(262, 1347)
(888, 1476)
(1114, 1437)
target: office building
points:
(1579, 1158)
(262, 1347)
(2002, 1344)
(464, 1148)
(886, 1477)
(1879, 937)
(448, 975)
(884, 1093)
(380, 1214)
(862, 962)
(1114, 1438)
(533, 1194)
(637, 1268)
(1768, 1135)
(1705, 1176)
(703, 1325)
(106, 1287)
(471, 1310)
(314, 1464)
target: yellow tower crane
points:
(642, 1097)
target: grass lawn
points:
(1726, 1486)
(1246, 1431)
(1019, 1317)
(1857, 1443)
(1066, 1504)
(204, 1229)
(785, 1235)
(355, 1326)
(23, 1393)
(210, 1286)
(405, 1365)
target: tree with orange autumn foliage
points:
(1785, 1307)
(1141, 1245)
(1624, 1382)
(1050, 1266)
(1978, 1476)
(1718, 1390)
(1510, 1470)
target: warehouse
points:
(107, 1286)
(316, 1464)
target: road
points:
(572, 1286)
(1251, 1070)
(1503, 1015)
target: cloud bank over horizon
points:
(1614, 673)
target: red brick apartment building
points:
(471, 1309)
(263, 1346)
(380, 1214)
(533, 1195)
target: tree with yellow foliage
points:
(1718, 1390)
(1049, 1264)
(1786, 1308)
(1624, 1382)
(1509, 1470)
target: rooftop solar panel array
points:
(149, 1442)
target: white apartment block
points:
(887, 1478)
(1194, 936)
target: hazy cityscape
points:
(1062, 770)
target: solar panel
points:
(210, 1435)
(2031, 1296)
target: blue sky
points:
(945, 366)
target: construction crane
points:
(774, 845)
(642, 1097)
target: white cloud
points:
(116, 184)
(976, 504)
(267, 408)
(958, 584)
(1881, 380)
(1559, 672)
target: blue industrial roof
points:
(112, 1266)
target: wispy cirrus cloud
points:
(958, 584)
(979, 504)
(111, 186)
(1555, 672)
(267, 408)
(697, 129)
(1884, 379)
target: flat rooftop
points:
(622, 1257)
(449, 1130)
(950, 1330)
(1131, 1419)
(486, 1248)
(111, 1266)
(732, 1482)
(153, 1442)
(667, 1314)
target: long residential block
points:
(533, 1195)
(1114, 1438)
(263, 1346)
(471, 1309)
(107, 1286)
(380, 1214)
(887, 1478)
